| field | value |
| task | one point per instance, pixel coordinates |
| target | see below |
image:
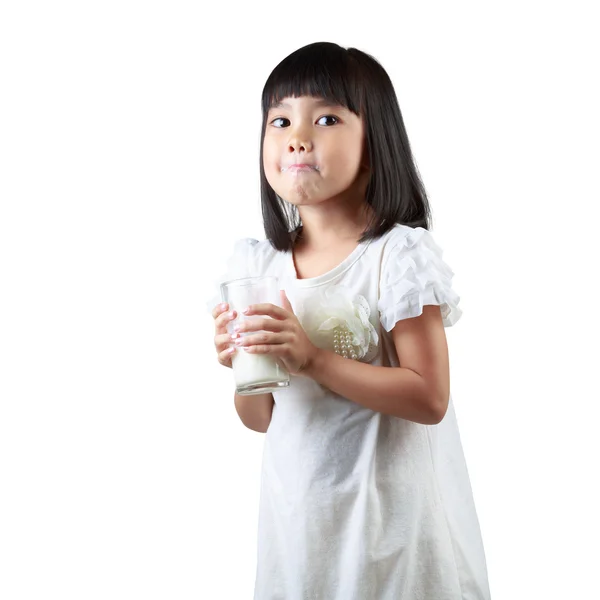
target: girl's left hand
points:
(282, 337)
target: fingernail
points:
(246, 310)
(234, 336)
(223, 306)
(231, 350)
(232, 314)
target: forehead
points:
(290, 103)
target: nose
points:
(299, 141)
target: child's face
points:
(328, 138)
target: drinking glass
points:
(253, 373)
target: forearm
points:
(395, 391)
(255, 411)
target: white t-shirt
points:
(355, 504)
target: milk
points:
(255, 372)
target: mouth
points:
(300, 168)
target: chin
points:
(293, 200)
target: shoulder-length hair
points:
(355, 80)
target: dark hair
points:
(358, 82)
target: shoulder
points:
(263, 248)
(249, 250)
(239, 259)
(403, 239)
(413, 273)
(264, 257)
(240, 256)
(253, 258)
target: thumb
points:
(285, 302)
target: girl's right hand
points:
(222, 338)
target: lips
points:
(296, 167)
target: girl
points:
(365, 494)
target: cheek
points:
(345, 151)
(270, 157)
(270, 160)
(346, 166)
(267, 162)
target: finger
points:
(223, 340)
(285, 301)
(222, 320)
(273, 349)
(262, 338)
(267, 308)
(225, 356)
(258, 324)
(219, 308)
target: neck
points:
(323, 227)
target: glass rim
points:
(250, 280)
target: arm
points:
(255, 411)
(395, 391)
(417, 392)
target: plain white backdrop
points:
(129, 153)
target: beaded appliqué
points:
(342, 343)
(337, 320)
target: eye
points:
(279, 119)
(329, 117)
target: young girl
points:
(365, 494)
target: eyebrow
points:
(317, 102)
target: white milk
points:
(256, 369)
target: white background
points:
(129, 136)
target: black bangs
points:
(322, 70)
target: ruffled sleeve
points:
(238, 266)
(413, 275)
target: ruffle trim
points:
(414, 275)
(238, 266)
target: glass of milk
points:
(253, 373)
